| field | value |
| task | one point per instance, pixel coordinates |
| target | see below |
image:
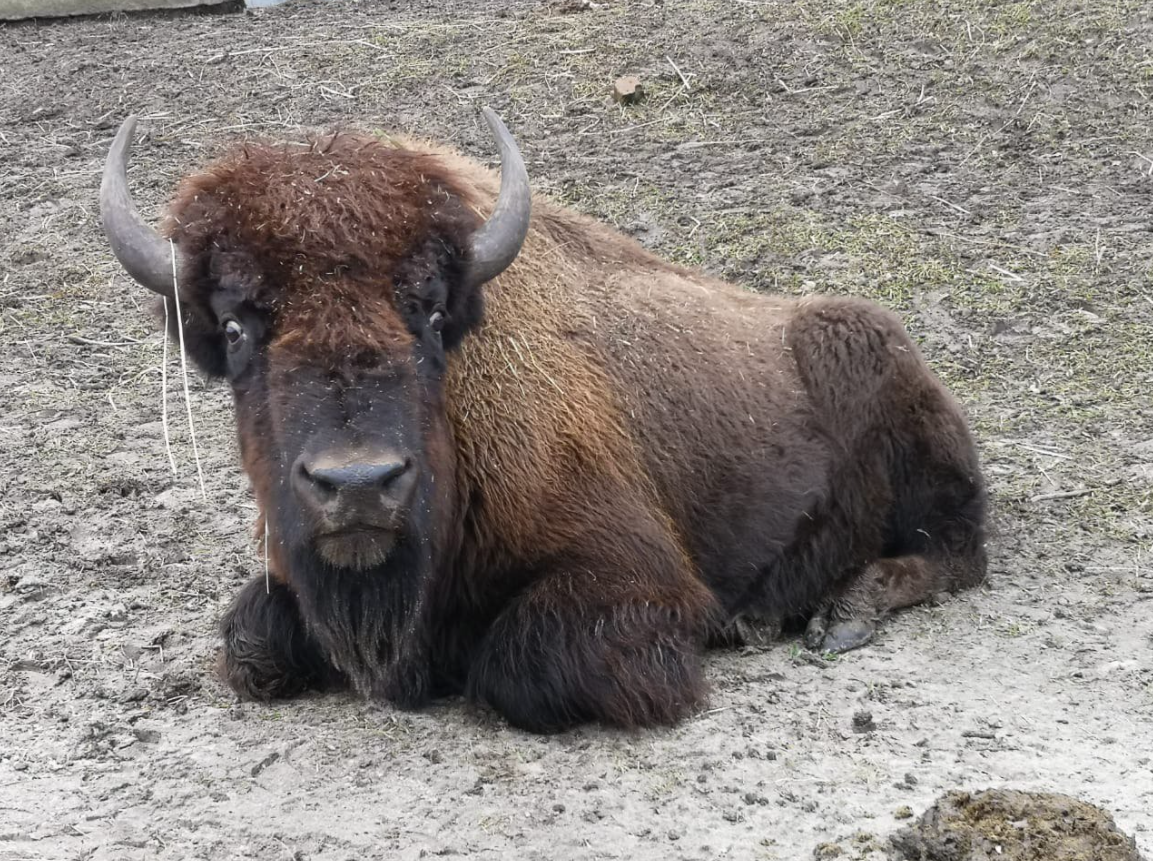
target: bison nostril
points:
(396, 470)
(321, 483)
(315, 486)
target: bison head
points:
(328, 281)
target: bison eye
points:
(234, 332)
(436, 321)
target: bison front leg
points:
(597, 643)
(267, 652)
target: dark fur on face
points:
(606, 461)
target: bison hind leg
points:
(848, 619)
(268, 654)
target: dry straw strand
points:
(184, 371)
(164, 393)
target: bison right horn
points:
(496, 244)
(143, 253)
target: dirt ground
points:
(985, 168)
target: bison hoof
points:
(824, 635)
(846, 636)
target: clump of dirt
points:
(1013, 826)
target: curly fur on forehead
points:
(346, 204)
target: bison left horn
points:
(496, 245)
(143, 252)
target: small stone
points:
(264, 763)
(863, 722)
(903, 812)
(628, 90)
(147, 736)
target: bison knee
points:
(626, 666)
(267, 652)
(847, 351)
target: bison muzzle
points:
(502, 450)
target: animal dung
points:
(1014, 826)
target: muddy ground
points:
(986, 168)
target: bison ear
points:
(465, 313)
(448, 255)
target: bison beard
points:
(565, 477)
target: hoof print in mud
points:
(1014, 826)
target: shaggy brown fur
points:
(620, 459)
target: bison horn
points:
(496, 245)
(144, 254)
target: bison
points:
(504, 451)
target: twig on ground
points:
(1148, 170)
(1063, 494)
(680, 74)
(959, 209)
(1044, 451)
(1012, 276)
(80, 339)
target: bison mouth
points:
(357, 547)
